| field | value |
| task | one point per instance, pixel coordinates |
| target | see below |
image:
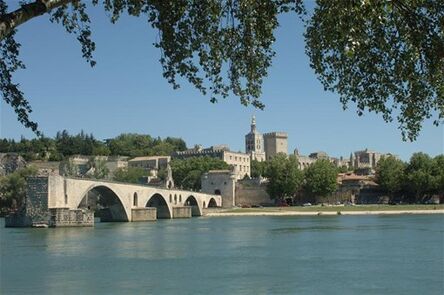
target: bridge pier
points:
(61, 217)
(143, 214)
(162, 212)
(182, 212)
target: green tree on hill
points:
(136, 145)
(129, 175)
(101, 171)
(65, 145)
(187, 173)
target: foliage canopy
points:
(13, 187)
(390, 174)
(65, 144)
(284, 177)
(320, 178)
(385, 56)
(187, 173)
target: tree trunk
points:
(9, 21)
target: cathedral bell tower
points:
(254, 143)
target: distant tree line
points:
(412, 182)
(64, 145)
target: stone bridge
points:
(71, 201)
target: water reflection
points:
(236, 255)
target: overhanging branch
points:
(9, 21)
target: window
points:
(135, 200)
(175, 199)
(66, 199)
(180, 198)
(171, 198)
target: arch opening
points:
(135, 200)
(192, 202)
(212, 203)
(105, 203)
(157, 201)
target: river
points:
(401, 254)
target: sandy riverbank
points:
(320, 212)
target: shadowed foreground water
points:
(229, 255)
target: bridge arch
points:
(162, 206)
(194, 204)
(212, 203)
(106, 203)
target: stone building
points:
(220, 182)
(245, 192)
(367, 160)
(254, 143)
(362, 189)
(151, 164)
(240, 162)
(305, 161)
(115, 162)
(275, 143)
(341, 162)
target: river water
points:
(229, 255)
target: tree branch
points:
(9, 21)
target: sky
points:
(125, 92)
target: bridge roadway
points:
(124, 199)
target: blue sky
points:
(126, 92)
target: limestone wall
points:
(250, 192)
(220, 182)
(56, 192)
